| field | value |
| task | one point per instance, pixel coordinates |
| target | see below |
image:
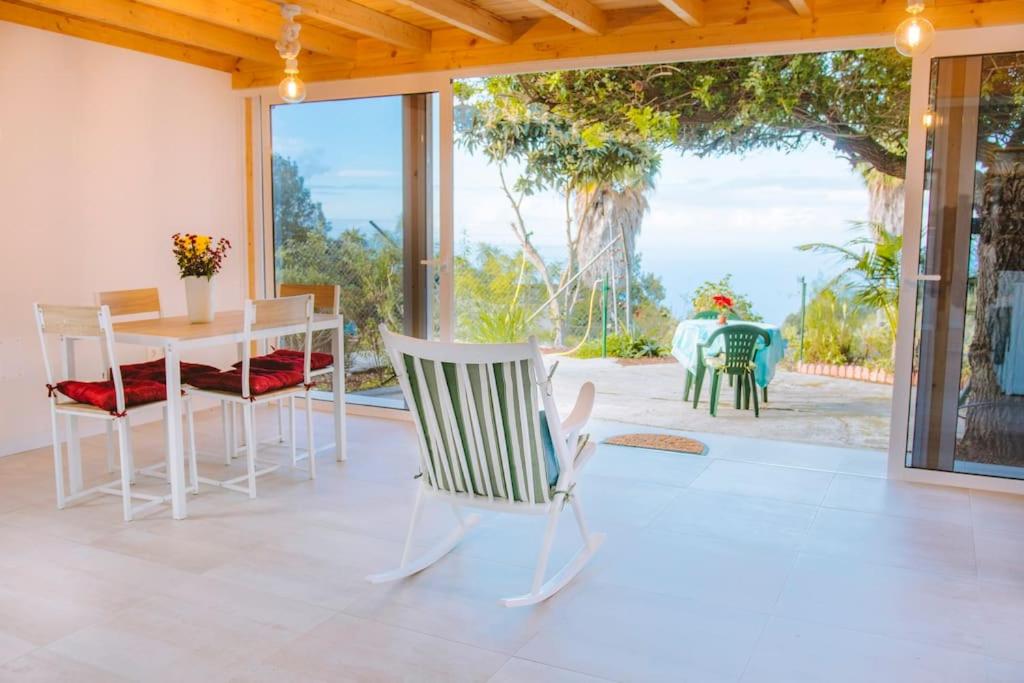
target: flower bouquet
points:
(199, 258)
(724, 305)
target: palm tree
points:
(872, 269)
(607, 213)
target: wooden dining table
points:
(176, 335)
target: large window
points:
(353, 205)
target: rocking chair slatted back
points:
(740, 343)
(477, 411)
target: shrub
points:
(623, 346)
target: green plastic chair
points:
(735, 361)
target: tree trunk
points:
(885, 200)
(995, 413)
(518, 225)
(607, 214)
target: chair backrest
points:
(711, 315)
(740, 342)
(477, 411)
(264, 319)
(124, 302)
(326, 298)
(79, 322)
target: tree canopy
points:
(855, 100)
(296, 215)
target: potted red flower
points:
(724, 304)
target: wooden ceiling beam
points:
(88, 30)
(579, 14)
(690, 11)
(357, 18)
(639, 34)
(805, 8)
(258, 22)
(151, 21)
(467, 17)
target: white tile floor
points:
(762, 561)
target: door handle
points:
(434, 263)
(924, 277)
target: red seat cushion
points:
(285, 359)
(156, 370)
(261, 380)
(102, 394)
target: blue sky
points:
(708, 217)
(350, 153)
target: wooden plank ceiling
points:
(357, 38)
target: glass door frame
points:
(353, 90)
(263, 233)
(947, 44)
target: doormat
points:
(659, 442)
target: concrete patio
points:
(800, 408)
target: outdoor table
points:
(690, 333)
(176, 334)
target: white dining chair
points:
(326, 299)
(114, 401)
(248, 386)
(143, 304)
(486, 441)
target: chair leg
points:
(745, 381)
(227, 418)
(111, 446)
(757, 410)
(698, 383)
(240, 435)
(687, 385)
(716, 380)
(167, 469)
(125, 447)
(250, 447)
(591, 543)
(545, 548)
(291, 431)
(310, 440)
(192, 462)
(280, 421)
(74, 447)
(764, 394)
(58, 459)
(738, 384)
(409, 567)
(412, 527)
(131, 452)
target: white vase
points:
(199, 298)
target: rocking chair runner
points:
(485, 443)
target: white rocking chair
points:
(484, 444)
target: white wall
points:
(104, 154)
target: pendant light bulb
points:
(291, 89)
(915, 34)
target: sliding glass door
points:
(967, 408)
(353, 201)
